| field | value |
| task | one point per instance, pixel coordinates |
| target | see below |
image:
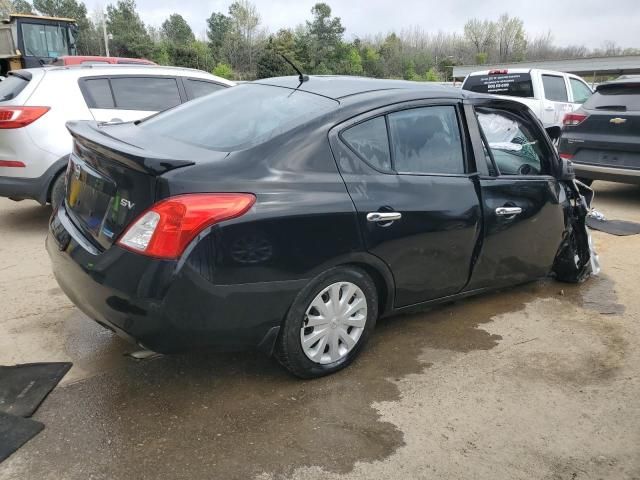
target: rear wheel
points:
(57, 191)
(329, 323)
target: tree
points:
(130, 38)
(480, 34)
(22, 6)
(223, 70)
(324, 38)
(176, 30)
(218, 27)
(511, 38)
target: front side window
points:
(426, 140)
(151, 94)
(369, 140)
(554, 88)
(580, 91)
(513, 144)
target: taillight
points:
(18, 117)
(573, 119)
(567, 156)
(165, 230)
(498, 72)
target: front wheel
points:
(329, 323)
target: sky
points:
(571, 22)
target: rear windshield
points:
(11, 87)
(234, 118)
(615, 97)
(510, 84)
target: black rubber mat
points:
(614, 227)
(14, 432)
(24, 387)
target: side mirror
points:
(554, 134)
(567, 173)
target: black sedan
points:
(289, 214)
(602, 138)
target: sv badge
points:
(127, 203)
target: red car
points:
(92, 59)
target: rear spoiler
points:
(92, 136)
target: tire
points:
(58, 190)
(334, 354)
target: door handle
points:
(383, 217)
(508, 211)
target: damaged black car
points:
(289, 214)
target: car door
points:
(407, 172)
(124, 98)
(556, 99)
(523, 203)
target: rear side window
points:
(580, 91)
(200, 88)
(619, 98)
(510, 84)
(554, 88)
(97, 93)
(235, 118)
(426, 140)
(369, 140)
(11, 87)
(151, 94)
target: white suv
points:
(548, 93)
(36, 103)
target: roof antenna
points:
(303, 78)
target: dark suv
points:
(289, 215)
(602, 138)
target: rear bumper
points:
(19, 188)
(165, 306)
(611, 174)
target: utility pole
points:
(104, 33)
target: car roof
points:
(338, 87)
(93, 70)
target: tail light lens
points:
(566, 156)
(12, 163)
(498, 72)
(165, 230)
(573, 119)
(18, 117)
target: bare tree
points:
(511, 37)
(481, 34)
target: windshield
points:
(625, 97)
(45, 40)
(234, 118)
(510, 84)
(11, 86)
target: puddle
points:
(204, 415)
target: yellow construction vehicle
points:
(28, 41)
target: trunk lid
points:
(113, 176)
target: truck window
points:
(554, 88)
(510, 84)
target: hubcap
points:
(333, 322)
